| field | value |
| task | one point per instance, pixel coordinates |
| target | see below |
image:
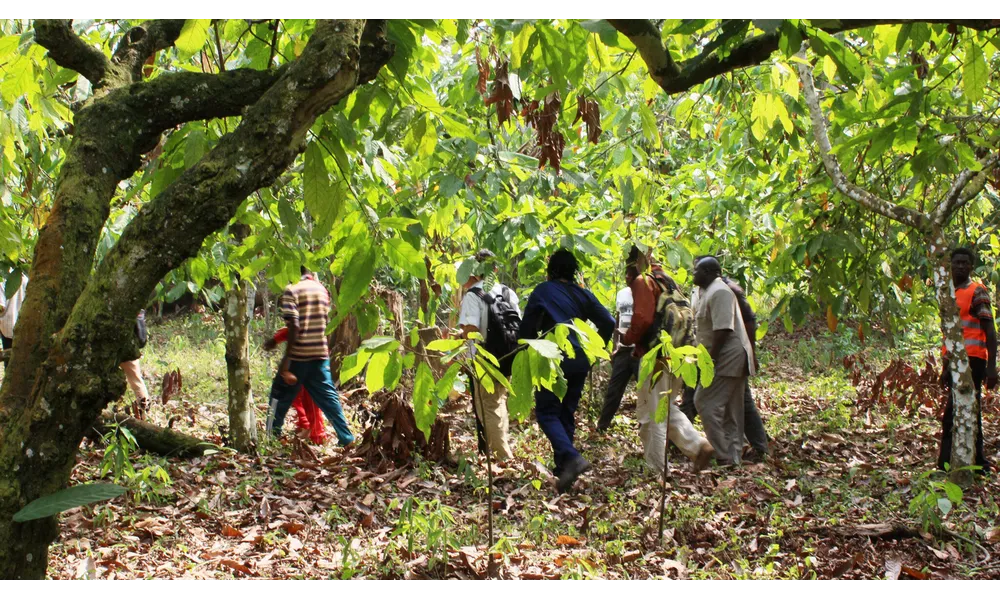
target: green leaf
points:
(425, 405)
(13, 283)
(705, 366)
(464, 270)
(78, 495)
(447, 381)
(353, 364)
(521, 398)
(199, 270)
(974, 72)
(768, 25)
(647, 364)
(954, 492)
(445, 345)
(689, 373)
(397, 222)
(393, 371)
(193, 36)
(356, 278)
(649, 128)
(404, 256)
(562, 340)
(375, 375)
(520, 45)
(944, 505)
(322, 200)
(759, 115)
(380, 343)
(904, 34)
(545, 348)
(791, 39)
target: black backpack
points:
(141, 334)
(503, 323)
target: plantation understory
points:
(834, 501)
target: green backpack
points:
(673, 313)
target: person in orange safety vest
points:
(976, 314)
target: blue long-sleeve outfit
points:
(550, 303)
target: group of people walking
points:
(651, 308)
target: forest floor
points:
(846, 494)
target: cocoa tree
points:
(75, 327)
(930, 226)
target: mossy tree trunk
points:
(236, 318)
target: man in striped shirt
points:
(305, 306)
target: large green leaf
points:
(375, 375)
(404, 256)
(425, 404)
(71, 497)
(521, 398)
(444, 385)
(322, 199)
(193, 36)
(974, 71)
(546, 348)
(357, 277)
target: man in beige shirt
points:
(721, 331)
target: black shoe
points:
(567, 478)
(755, 456)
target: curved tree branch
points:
(676, 77)
(970, 191)
(905, 215)
(139, 43)
(69, 51)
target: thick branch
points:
(894, 211)
(675, 78)
(204, 198)
(975, 186)
(69, 51)
(376, 50)
(139, 43)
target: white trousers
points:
(682, 433)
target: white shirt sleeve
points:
(472, 308)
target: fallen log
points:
(156, 439)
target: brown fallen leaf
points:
(892, 568)
(911, 572)
(669, 564)
(230, 531)
(938, 553)
(232, 564)
(993, 535)
(568, 540)
(292, 527)
(833, 438)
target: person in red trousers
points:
(309, 415)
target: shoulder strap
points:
(482, 295)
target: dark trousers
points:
(557, 418)
(753, 425)
(7, 345)
(978, 367)
(624, 368)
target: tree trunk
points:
(236, 317)
(963, 393)
(76, 325)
